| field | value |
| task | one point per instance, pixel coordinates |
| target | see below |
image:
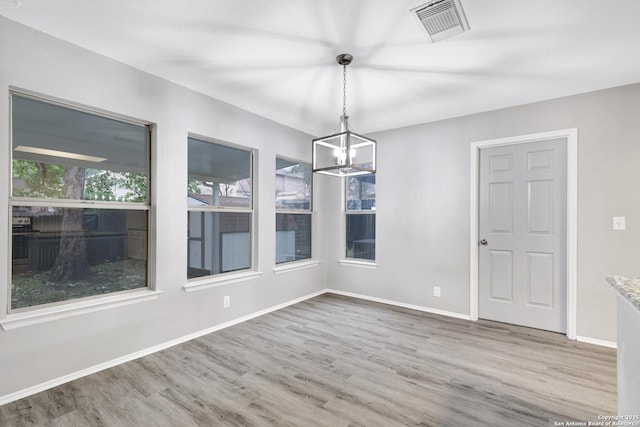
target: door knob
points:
(483, 242)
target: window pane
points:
(361, 236)
(60, 254)
(218, 175)
(361, 193)
(62, 153)
(293, 185)
(219, 242)
(293, 237)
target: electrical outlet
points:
(436, 291)
(226, 301)
(619, 223)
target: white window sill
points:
(64, 310)
(296, 265)
(357, 263)
(213, 281)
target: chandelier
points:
(344, 153)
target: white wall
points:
(628, 356)
(423, 204)
(35, 354)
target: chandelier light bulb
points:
(340, 153)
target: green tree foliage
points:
(44, 180)
(120, 186)
(41, 180)
(193, 186)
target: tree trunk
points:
(71, 263)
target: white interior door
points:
(522, 231)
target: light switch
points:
(619, 223)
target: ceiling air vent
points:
(441, 18)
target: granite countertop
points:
(629, 288)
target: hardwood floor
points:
(337, 361)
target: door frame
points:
(571, 136)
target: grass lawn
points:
(31, 289)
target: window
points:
(220, 200)
(79, 202)
(361, 217)
(293, 211)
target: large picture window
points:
(79, 202)
(293, 211)
(361, 217)
(220, 200)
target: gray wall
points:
(423, 204)
(422, 216)
(39, 353)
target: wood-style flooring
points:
(338, 361)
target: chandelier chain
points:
(344, 90)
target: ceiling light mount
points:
(344, 59)
(344, 153)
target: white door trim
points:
(571, 136)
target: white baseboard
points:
(132, 356)
(587, 340)
(596, 341)
(401, 304)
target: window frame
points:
(351, 260)
(41, 312)
(203, 282)
(310, 212)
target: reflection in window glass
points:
(293, 237)
(63, 153)
(361, 193)
(59, 254)
(361, 236)
(293, 210)
(219, 242)
(62, 157)
(293, 185)
(219, 175)
(219, 194)
(361, 218)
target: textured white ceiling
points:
(276, 58)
